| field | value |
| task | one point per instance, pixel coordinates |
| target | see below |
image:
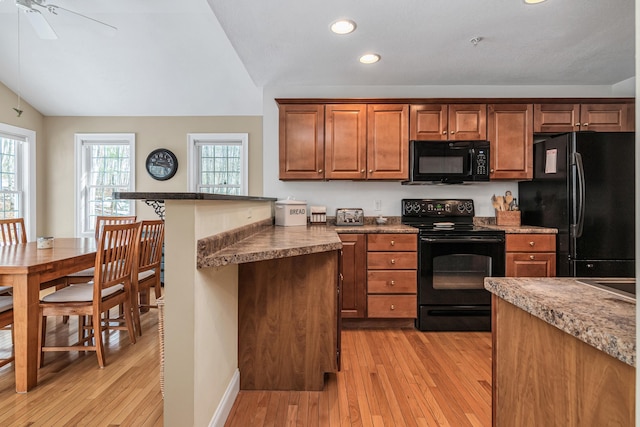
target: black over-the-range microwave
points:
(448, 162)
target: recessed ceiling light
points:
(370, 58)
(343, 26)
(534, 1)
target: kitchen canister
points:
(291, 212)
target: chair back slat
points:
(150, 245)
(12, 231)
(115, 255)
(101, 221)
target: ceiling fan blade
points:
(40, 25)
(54, 9)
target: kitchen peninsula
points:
(564, 353)
(238, 294)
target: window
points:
(17, 175)
(218, 163)
(105, 163)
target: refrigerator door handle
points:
(578, 227)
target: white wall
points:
(349, 194)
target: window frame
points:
(85, 139)
(193, 164)
(28, 175)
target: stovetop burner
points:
(441, 215)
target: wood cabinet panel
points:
(354, 275)
(599, 117)
(392, 281)
(392, 242)
(510, 131)
(391, 260)
(530, 255)
(533, 264)
(392, 306)
(345, 141)
(545, 377)
(387, 141)
(606, 118)
(428, 122)
(467, 121)
(287, 340)
(301, 144)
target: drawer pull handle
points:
(393, 243)
(532, 243)
(393, 307)
(393, 261)
(532, 257)
(392, 282)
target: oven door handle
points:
(462, 239)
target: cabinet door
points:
(606, 118)
(428, 122)
(511, 137)
(532, 264)
(467, 121)
(388, 141)
(354, 275)
(301, 141)
(556, 117)
(345, 141)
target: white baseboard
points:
(229, 397)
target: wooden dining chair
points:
(6, 320)
(12, 231)
(146, 271)
(85, 275)
(110, 287)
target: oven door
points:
(453, 268)
(451, 294)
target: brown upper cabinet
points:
(599, 117)
(344, 141)
(433, 122)
(511, 138)
(301, 141)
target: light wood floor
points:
(72, 390)
(388, 378)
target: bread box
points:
(291, 212)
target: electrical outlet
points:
(378, 205)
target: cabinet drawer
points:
(392, 242)
(400, 306)
(392, 282)
(392, 260)
(530, 242)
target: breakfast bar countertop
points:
(597, 317)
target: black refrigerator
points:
(584, 185)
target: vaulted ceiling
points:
(193, 57)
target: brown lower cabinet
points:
(530, 255)
(379, 276)
(543, 376)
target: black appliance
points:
(454, 257)
(584, 185)
(448, 162)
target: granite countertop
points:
(270, 242)
(374, 228)
(521, 229)
(595, 316)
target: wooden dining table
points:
(25, 267)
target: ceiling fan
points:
(43, 29)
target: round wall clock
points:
(162, 164)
